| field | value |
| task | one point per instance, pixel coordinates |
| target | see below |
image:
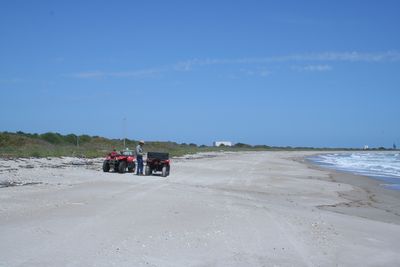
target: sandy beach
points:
(215, 209)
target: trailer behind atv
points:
(157, 162)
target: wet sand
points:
(369, 198)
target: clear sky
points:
(298, 73)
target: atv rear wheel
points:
(106, 166)
(147, 170)
(164, 171)
(122, 167)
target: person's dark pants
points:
(139, 160)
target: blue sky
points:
(298, 73)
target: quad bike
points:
(120, 162)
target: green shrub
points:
(84, 139)
(242, 145)
(4, 139)
(70, 139)
(35, 154)
(52, 138)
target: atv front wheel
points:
(131, 167)
(122, 167)
(106, 166)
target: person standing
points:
(139, 158)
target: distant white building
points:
(366, 147)
(224, 143)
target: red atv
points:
(157, 161)
(119, 162)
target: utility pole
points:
(124, 131)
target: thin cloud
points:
(191, 64)
(137, 73)
(88, 74)
(389, 56)
(134, 74)
(257, 72)
(312, 68)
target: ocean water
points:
(384, 166)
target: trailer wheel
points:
(106, 166)
(164, 172)
(122, 167)
(147, 170)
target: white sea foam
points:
(376, 164)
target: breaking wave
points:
(382, 165)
